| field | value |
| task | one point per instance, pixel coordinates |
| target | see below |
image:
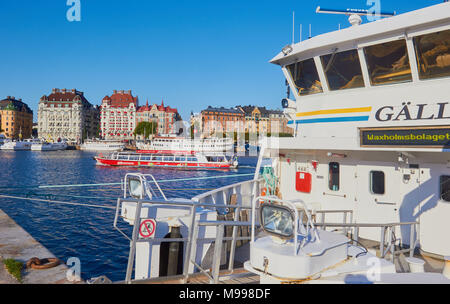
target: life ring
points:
(263, 193)
(47, 263)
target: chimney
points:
(74, 90)
(115, 92)
(129, 92)
(54, 90)
(64, 90)
(121, 92)
(8, 97)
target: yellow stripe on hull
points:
(335, 111)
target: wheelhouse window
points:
(445, 188)
(433, 54)
(388, 63)
(377, 182)
(333, 176)
(305, 77)
(343, 70)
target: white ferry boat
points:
(48, 146)
(187, 145)
(372, 122)
(16, 145)
(102, 145)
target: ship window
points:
(305, 77)
(343, 70)
(388, 63)
(333, 176)
(377, 182)
(433, 54)
(445, 188)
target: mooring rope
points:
(160, 181)
(56, 202)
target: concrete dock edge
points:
(17, 244)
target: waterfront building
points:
(118, 115)
(262, 120)
(16, 118)
(67, 114)
(219, 120)
(165, 117)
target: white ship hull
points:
(381, 148)
(49, 147)
(176, 144)
(102, 146)
(16, 146)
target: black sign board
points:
(436, 137)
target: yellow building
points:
(261, 120)
(16, 118)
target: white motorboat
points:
(49, 146)
(15, 145)
(102, 145)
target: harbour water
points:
(85, 232)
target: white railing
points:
(244, 193)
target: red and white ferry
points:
(168, 160)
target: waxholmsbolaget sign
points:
(434, 137)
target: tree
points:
(145, 128)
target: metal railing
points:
(245, 192)
(214, 278)
(191, 240)
(386, 245)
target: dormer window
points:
(305, 77)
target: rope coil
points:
(36, 263)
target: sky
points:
(191, 54)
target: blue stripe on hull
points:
(333, 119)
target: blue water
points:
(79, 231)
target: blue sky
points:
(190, 53)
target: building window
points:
(388, 63)
(445, 188)
(305, 77)
(433, 54)
(333, 176)
(377, 182)
(343, 70)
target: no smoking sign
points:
(147, 229)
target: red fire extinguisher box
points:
(303, 181)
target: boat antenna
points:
(301, 32)
(310, 31)
(293, 27)
(355, 13)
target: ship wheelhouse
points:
(371, 112)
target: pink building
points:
(118, 115)
(164, 116)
